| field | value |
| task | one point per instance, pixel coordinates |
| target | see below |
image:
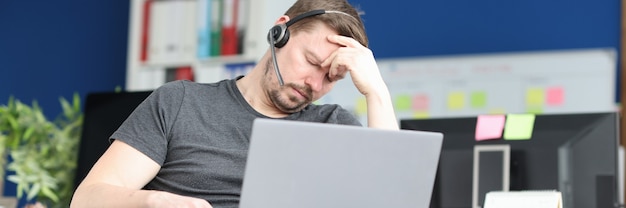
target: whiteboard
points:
(540, 82)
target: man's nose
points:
(316, 81)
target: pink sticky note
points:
(420, 102)
(489, 127)
(554, 96)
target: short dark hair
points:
(351, 26)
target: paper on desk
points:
(523, 199)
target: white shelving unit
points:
(259, 17)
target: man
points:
(186, 144)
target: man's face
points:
(300, 62)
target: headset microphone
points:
(273, 42)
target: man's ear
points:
(282, 20)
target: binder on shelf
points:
(156, 31)
(179, 73)
(229, 27)
(174, 13)
(145, 27)
(204, 29)
(216, 27)
(172, 38)
(189, 37)
(242, 17)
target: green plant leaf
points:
(50, 194)
(76, 102)
(67, 109)
(20, 190)
(43, 152)
(29, 132)
(12, 122)
(14, 179)
(34, 190)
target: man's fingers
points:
(344, 41)
(337, 65)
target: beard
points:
(285, 102)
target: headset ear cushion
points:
(283, 41)
(280, 35)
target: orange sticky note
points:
(489, 127)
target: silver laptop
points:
(302, 164)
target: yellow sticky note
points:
(402, 102)
(519, 126)
(361, 106)
(456, 100)
(496, 111)
(421, 114)
(534, 96)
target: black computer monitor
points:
(576, 154)
(104, 112)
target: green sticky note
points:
(478, 99)
(519, 126)
(456, 100)
(403, 102)
(534, 109)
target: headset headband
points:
(313, 13)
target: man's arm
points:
(117, 178)
(359, 61)
(380, 112)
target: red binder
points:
(229, 27)
(184, 73)
(145, 27)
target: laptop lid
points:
(303, 164)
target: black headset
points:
(279, 35)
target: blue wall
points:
(419, 28)
(50, 49)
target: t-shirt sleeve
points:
(147, 127)
(346, 117)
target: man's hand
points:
(358, 60)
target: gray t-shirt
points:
(199, 134)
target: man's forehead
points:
(317, 45)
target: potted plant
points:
(40, 154)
